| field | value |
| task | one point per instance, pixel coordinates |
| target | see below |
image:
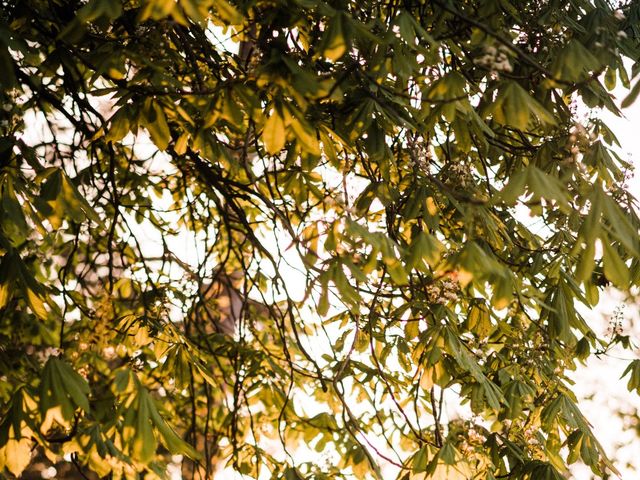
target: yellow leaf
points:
(306, 137)
(479, 321)
(17, 455)
(53, 458)
(4, 294)
(432, 208)
(274, 134)
(181, 144)
(361, 469)
(228, 12)
(98, 463)
(464, 277)
(426, 380)
(156, 124)
(53, 417)
(459, 471)
(142, 337)
(36, 304)
(157, 9)
(329, 149)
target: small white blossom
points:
(48, 473)
(622, 35)
(619, 15)
(44, 355)
(109, 352)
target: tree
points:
(391, 207)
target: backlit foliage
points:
(399, 205)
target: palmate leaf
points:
(60, 200)
(533, 181)
(62, 387)
(574, 62)
(141, 418)
(514, 106)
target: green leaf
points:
(447, 454)
(7, 272)
(75, 386)
(144, 441)
(306, 136)
(334, 42)
(632, 96)
(8, 79)
(62, 387)
(479, 320)
(514, 106)
(323, 301)
(155, 121)
(420, 460)
(14, 224)
(614, 268)
(574, 62)
(634, 380)
(174, 444)
(120, 123)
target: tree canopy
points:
(287, 237)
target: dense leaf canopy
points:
(308, 238)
